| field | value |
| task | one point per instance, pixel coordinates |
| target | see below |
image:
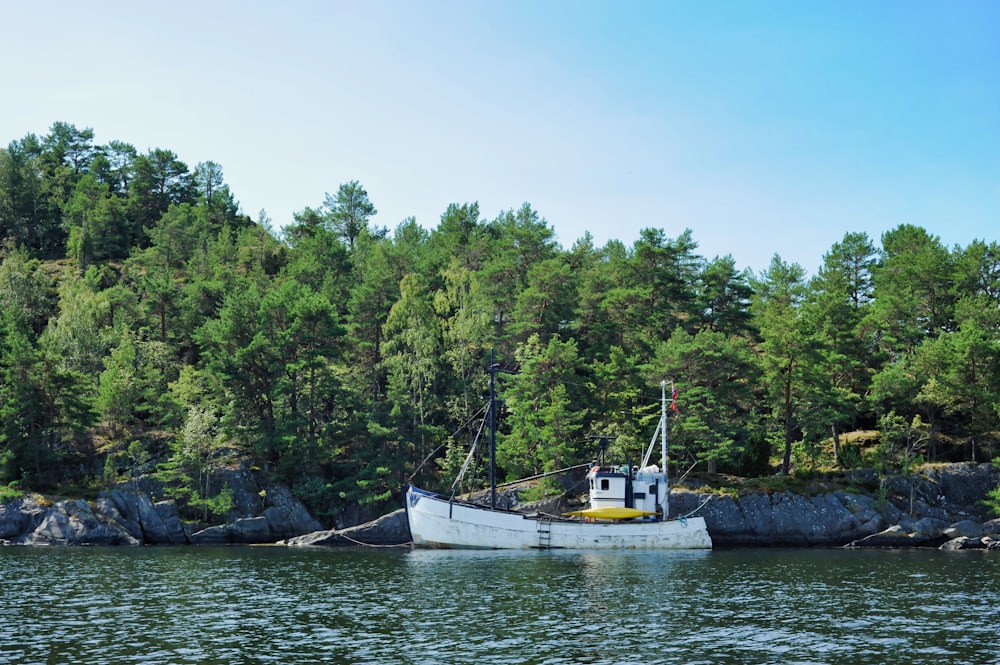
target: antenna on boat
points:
(602, 446)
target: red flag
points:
(673, 397)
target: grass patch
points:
(810, 484)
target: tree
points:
(912, 291)
(840, 298)
(518, 241)
(160, 179)
(374, 289)
(785, 346)
(655, 292)
(461, 235)
(29, 214)
(199, 453)
(620, 400)
(118, 391)
(598, 322)
(25, 290)
(22, 413)
(348, 212)
(411, 352)
(545, 306)
(113, 166)
(464, 321)
(96, 223)
(68, 146)
(78, 335)
(723, 298)
(716, 375)
(547, 411)
(215, 197)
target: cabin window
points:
(604, 484)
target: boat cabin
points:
(643, 490)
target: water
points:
(277, 605)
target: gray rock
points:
(388, 530)
(966, 484)
(21, 516)
(965, 543)
(160, 523)
(247, 501)
(783, 519)
(213, 535)
(323, 538)
(992, 528)
(286, 516)
(76, 523)
(965, 529)
(107, 505)
(251, 530)
(927, 526)
(895, 537)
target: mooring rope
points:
(358, 542)
(707, 499)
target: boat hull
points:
(436, 522)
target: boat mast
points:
(663, 444)
(493, 433)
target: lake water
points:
(279, 605)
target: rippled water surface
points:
(277, 605)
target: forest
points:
(149, 326)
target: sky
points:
(768, 128)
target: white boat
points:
(628, 510)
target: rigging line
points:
(434, 452)
(685, 474)
(468, 458)
(542, 475)
(637, 397)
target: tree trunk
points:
(836, 444)
(786, 462)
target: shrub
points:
(10, 491)
(992, 501)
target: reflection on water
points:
(258, 605)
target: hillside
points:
(148, 326)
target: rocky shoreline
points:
(941, 508)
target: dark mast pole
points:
(493, 433)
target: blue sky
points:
(765, 127)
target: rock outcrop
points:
(929, 511)
(283, 517)
(782, 519)
(123, 516)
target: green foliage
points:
(547, 412)
(716, 377)
(218, 506)
(10, 491)
(136, 301)
(992, 501)
(850, 456)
